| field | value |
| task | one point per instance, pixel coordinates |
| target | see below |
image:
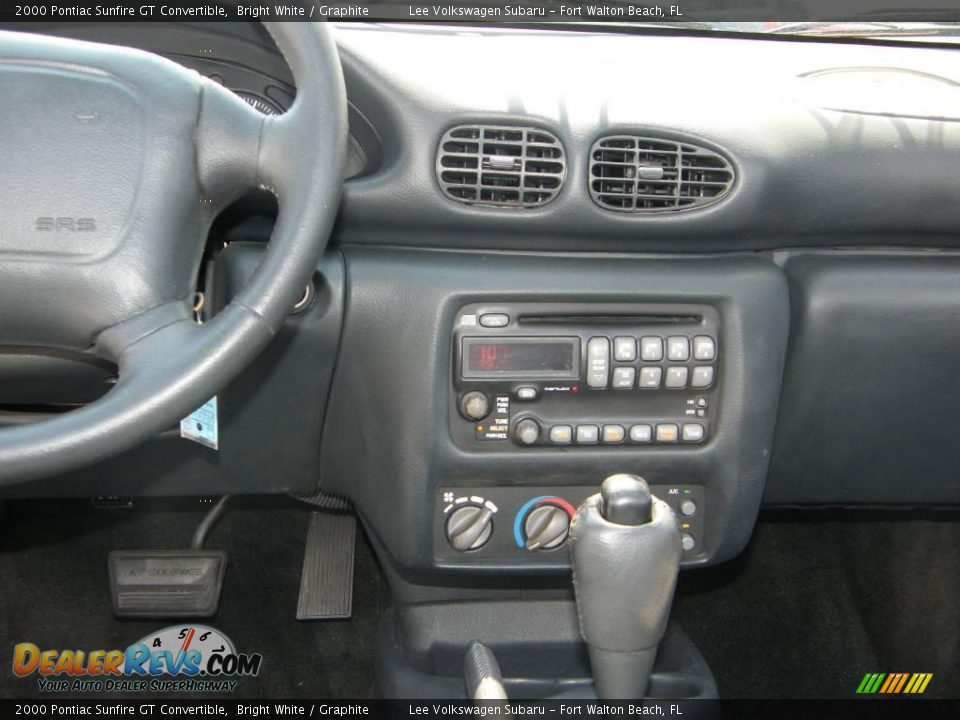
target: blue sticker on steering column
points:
(201, 425)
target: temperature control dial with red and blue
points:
(543, 523)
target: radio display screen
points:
(521, 357)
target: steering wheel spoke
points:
(113, 342)
(229, 137)
(180, 364)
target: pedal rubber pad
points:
(166, 583)
(326, 585)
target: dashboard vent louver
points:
(634, 174)
(519, 167)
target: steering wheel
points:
(115, 162)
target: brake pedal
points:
(326, 584)
(166, 583)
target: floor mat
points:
(819, 599)
(54, 592)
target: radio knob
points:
(474, 405)
(527, 432)
(469, 527)
(546, 527)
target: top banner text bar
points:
(710, 15)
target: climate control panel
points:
(524, 524)
(559, 376)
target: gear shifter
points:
(625, 548)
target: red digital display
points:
(528, 357)
(490, 357)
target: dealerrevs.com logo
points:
(191, 658)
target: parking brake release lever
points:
(625, 550)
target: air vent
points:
(647, 175)
(502, 166)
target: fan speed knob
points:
(469, 527)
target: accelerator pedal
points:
(166, 583)
(326, 584)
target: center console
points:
(465, 423)
(481, 397)
(536, 378)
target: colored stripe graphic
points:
(899, 687)
(918, 683)
(891, 680)
(894, 683)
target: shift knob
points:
(625, 550)
(626, 500)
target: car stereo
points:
(535, 376)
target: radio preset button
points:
(588, 434)
(624, 377)
(702, 376)
(527, 393)
(613, 434)
(678, 348)
(651, 348)
(667, 433)
(704, 348)
(527, 431)
(598, 362)
(624, 349)
(677, 377)
(692, 433)
(650, 378)
(494, 320)
(561, 434)
(641, 433)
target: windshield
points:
(846, 19)
(918, 31)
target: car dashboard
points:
(545, 269)
(729, 265)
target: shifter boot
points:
(624, 576)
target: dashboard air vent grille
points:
(504, 166)
(646, 175)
